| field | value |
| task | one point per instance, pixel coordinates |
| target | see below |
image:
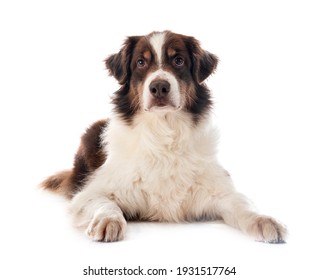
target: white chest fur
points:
(155, 166)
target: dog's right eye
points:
(141, 63)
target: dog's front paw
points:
(266, 229)
(107, 228)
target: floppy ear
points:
(118, 64)
(204, 63)
(207, 65)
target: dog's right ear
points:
(118, 64)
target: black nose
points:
(159, 88)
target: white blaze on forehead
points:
(157, 40)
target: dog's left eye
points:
(178, 61)
(141, 63)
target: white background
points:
(53, 85)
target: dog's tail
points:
(59, 183)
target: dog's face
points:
(161, 72)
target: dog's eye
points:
(141, 63)
(178, 61)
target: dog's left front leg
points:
(235, 209)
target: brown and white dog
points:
(155, 158)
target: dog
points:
(155, 158)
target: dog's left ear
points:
(118, 64)
(207, 65)
(204, 63)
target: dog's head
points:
(162, 72)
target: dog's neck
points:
(174, 132)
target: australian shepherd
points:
(155, 158)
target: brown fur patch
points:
(88, 158)
(171, 52)
(147, 55)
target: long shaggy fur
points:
(155, 157)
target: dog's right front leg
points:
(100, 217)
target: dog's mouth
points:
(161, 104)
